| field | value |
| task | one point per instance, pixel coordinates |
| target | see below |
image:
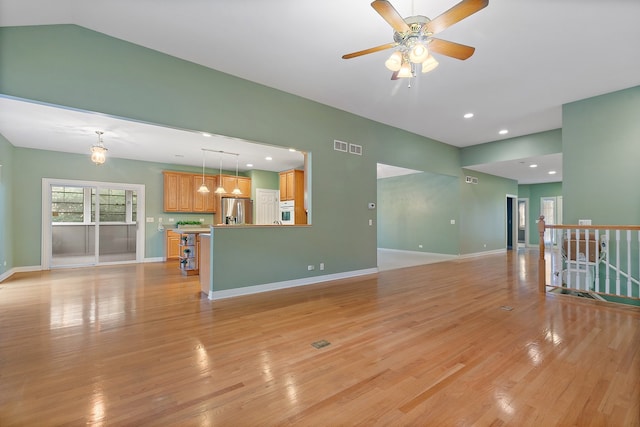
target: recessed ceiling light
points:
(268, 158)
(552, 172)
(503, 132)
(293, 150)
(468, 115)
(533, 165)
(207, 135)
(249, 165)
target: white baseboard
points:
(155, 259)
(15, 270)
(248, 290)
(477, 254)
(433, 254)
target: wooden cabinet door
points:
(170, 192)
(185, 192)
(283, 186)
(204, 202)
(173, 245)
(244, 184)
(290, 186)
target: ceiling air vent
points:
(471, 180)
(355, 149)
(340, 146)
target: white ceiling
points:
(531, 56)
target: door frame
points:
(526, 219)
(45, 233)
(514, 224)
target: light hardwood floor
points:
(456, 343)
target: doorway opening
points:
(511, 226)
(87, 223)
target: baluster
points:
(629, 282)
(607, 279)
(617, 262)
(569, 261)
(596, 280)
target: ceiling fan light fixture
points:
(429, 64)
(394, 63)
(99, 151)
(418, 53)
(405, 71)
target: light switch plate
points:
(149, 219)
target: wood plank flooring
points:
(456, 343)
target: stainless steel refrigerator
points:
(236, 211)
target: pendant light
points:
(203, 188)
(98, 151)
(236, 190)
(220, 189)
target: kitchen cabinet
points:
(173, 245)
(292, 189)
(205, 202)
(229, 184)
(292, 185)
(181, 192)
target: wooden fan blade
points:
(391, 15)
(454, 50)
(370, 50)
(456, 14)
(394, 75)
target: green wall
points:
(601, 140)
(6, 206)
(416, 210)
(534, 192)
(483, 213)
(537, 144)
(74, 67)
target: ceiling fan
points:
(413, 36)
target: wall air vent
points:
(340, 146)
(471, 180)
(355, 149)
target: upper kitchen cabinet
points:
(205, 202)
(292, 185)
(228, 182)
(181, 192)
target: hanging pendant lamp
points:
(220, 189)
(203, 188)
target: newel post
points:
(541, 264)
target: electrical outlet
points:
(149, 219)
(311, 267)
(322, 266)
(201, 219)
(171, 220)
(420, 246)
(453, 221)
(370, 222)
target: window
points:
(67, 204)
(78, 204)
(115, 205)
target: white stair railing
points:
(599, 260)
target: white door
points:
(267, 206)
